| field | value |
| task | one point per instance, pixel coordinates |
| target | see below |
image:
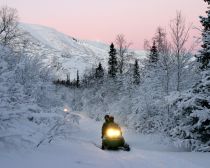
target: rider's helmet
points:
(106, 117)
(111, 118)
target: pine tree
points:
(67, 79)
(193, 112)
(112, 63)
(77, 81)
(99, 71)
(136, 73)
(153, 56)
(204, 57)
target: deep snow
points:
(79, 151)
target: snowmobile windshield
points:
(113, 133)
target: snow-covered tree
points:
(136, 73)
(193, 107)
(180, 36)
(122, 50)
(112, 63)
(153, 55)
(68, 80)
(204, 57)
(78, 80)
(10, 34)
(165, 61)
(99, 71)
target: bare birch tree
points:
(8, 25)
(165, 60)
(179, 36)
(122, 47)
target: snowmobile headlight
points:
(113, 133)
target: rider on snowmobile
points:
(112, 135)
(109, 123)
(105, 125)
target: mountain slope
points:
(72, 54)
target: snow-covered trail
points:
(80, 152)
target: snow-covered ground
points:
(80, 151)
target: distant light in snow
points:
(66, 110)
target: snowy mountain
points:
(70, 53)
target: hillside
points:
(70, 53)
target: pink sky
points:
(103, 19)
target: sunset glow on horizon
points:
(102, 20)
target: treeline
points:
(68, 83)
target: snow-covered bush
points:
(31, 108)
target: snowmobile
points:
(113, 140)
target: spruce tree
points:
(68, 80)
(136, 73)
(77, 81)
(193, 107)
(99, 71)
(153, 56)
(204, 57)
(112, 63)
